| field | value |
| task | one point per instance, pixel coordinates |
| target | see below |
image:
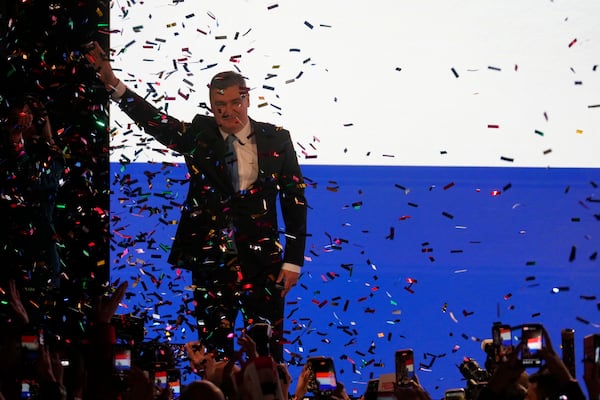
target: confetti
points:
(447, 215)
(140, 249)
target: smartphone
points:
(30, 342)
(567, 337)
(174, 382)
(372, 389)
(322, 380)
(532, 339)
(377, 389)
(30, 348)
(502, 341)
(455, 394)
(122, 358)
(160, 378)
(591, 348)
(28, 389)
(405, 366)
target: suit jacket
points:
(212, 206)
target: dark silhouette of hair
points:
(226, 79)
(202, 390)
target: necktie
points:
(231, 161)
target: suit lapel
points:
(211, 161)
(263, 148)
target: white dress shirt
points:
(247, 156)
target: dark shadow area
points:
(55, 198)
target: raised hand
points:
(288, 279)
(14, 299)
(553, 361)
(98, 58)
(201, 361)
(248, 346)
(106, 307)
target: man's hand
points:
(248, 346)
(553, 361)
(302, 384)
(48, 367)
(507, 373)
(106, 307)
(200, 359)
(98, 58)
(288, 279)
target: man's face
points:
(230, 107)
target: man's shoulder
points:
(206, 120)
(267, 128)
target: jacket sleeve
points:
(293, 204)
(168, 130)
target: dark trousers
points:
(222, 293)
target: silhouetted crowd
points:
(111, 361)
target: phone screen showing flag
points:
(122, 359)
(326, 380)
(410, 367)
(160, 379)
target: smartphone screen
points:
(30, 342)
(531, 337)
(174, 382)
(455, 394)
(122, 358)
(326, 380)
(30, 346)
(160, 378)
(591, 347)
(28, 388)
(503, 341)
(405, 365)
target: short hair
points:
(226, 79)
(202, 390)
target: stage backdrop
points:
(451, 152)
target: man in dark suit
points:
(228, 234)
